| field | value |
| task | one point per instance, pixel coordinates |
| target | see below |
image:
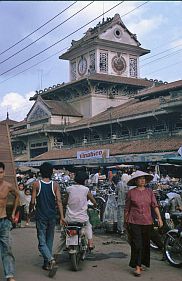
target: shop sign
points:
(88, 154)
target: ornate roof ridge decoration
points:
(140, 82)
(100, 28)
(159, 88)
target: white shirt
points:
(156, 178)
(77, 203)
(125, 177)
(22, 197)
(95, 178)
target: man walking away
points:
(47, 195)
(8, 259)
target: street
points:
(109, 260)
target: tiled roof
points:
(61, 108)
(21, 158)
(9, 122)
(162, 88)
(126, 110)
(163, 144)
(138, 82)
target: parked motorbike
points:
(76, 243)
(173, 243)
(160, 233)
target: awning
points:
(27, 168)
(172, 160)
(120, 166)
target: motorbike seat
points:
(76, 223)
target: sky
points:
(157, 25)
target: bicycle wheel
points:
(173, 248)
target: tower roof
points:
(93, 35)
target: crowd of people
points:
(42, 196)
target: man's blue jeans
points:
(45, 235)
(8, 259)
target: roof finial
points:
(7, 118)
(103, 12)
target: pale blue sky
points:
(158, 25)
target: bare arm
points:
(160, 222)
(92, 199)
(35, 189)
(59, 202)
(156, 210)
(14, 192)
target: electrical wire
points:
(46, 33)
(162, 52)
(159, 69)
(135, 9)
(166, 56)
(62, 50)
(21, 40)
(34, 65)
(59, 40)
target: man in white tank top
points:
(77, 196)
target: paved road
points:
(109, 261)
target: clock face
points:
(118, 64)
(82, 66)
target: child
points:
(27, 203)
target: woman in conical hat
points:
(139, 202)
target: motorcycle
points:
(158, 235)
(173, 243)
(76, 243)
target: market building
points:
(106, 114)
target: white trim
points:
(53, 189)
(39, 189)
(46, 182)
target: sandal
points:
(137, 274)
(137, 271)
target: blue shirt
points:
(45, 201)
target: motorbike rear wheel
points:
(75, 261)
(173, 248)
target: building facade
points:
(105, 105)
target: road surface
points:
(109, 261)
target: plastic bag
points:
(110, 213)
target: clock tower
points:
(109, 48)
(103, 68)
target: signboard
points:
(89, 154)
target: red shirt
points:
(138, 206)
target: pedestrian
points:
(138, 218)
(21, 208)
(95, 179)
(8, 259)
(121, 191)
(27, 204)
(76, 210)
(46, 193)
